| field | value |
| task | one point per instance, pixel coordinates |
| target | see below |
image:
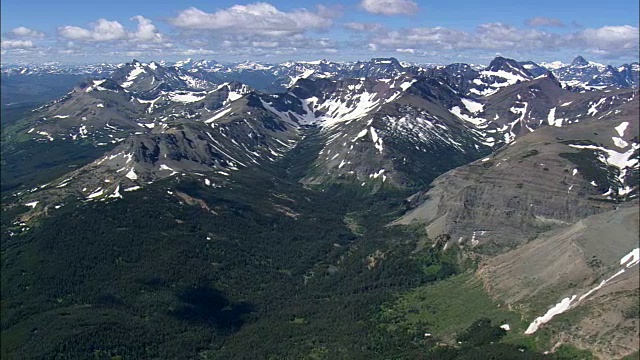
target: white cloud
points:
(611, 38)
(101, 30)
(390, 7)
(17, 44)
(409, 51)
(200, 51)
(540, 21)
(363, 27)
(26, 32)
(438, 37)
(265, 44)
(104, 30)
(613, 41)
(146, 31)
(488, 36)
(258, 18)
(497, 36)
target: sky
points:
(420, 31)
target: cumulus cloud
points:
(298, 41)
(541, 21)
(390, 7)
(17, 44)
(499, 36)
(363, 27)
(258, 18)
(611, 38)
(104, 30)
(101, 30)
(609, 41)
(437, 36)
(146, 32)
(26, 33)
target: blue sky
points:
(278, 30)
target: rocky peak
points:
(579, 61)
(508, 65)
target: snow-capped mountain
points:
(580, 75)
(394, 130)
(500, 73)
(497, 158)
(149, 80)
(587, 75)
(94, 70)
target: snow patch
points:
(551, 118)
(96, 193)
(559, 308)
(218, 115)
(472, 106)
(631, 259)
(621, 128)
(133, 75)
(131, 175)
(186, 97)
(619, 142)
(593, 110)
(360, 134)
(475, 121)
(116, 193)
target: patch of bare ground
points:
(190, 200)
(571, 261)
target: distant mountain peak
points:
(579, 61)
(508, 65)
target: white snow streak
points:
(631, 259)
(32, 204)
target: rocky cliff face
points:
(542, 180)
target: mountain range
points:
(389, 169)
(579, 75)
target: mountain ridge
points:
(415, 177)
